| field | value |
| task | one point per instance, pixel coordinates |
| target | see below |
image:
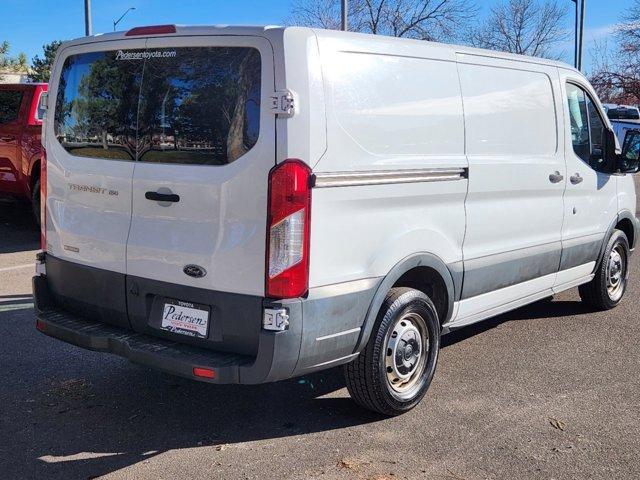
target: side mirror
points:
(609, 150)
(629, 160)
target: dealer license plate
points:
(185, 318)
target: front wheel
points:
(610, 281)
(394, 371)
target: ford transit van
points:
(246, 205)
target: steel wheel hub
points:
(616, 272)
(407, 345)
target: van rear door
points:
(90, 144)
(206, 144)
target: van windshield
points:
(197, 105)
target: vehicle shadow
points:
(539, 310)
(70, 413)
(77, 414)
(18, 229)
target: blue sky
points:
(28, 24)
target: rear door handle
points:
(556, 177)
(8, 138)
(162, 197)
(576, 178)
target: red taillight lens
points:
(288, 230)
(204, 372)
(43, 202)
(151, 30)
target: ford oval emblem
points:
(194, 271)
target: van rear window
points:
(197, 105)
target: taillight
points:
(43, 202)
(288, 230)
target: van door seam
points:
(466, 195)
(133, 174)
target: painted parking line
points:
(17, 267)
(17, 306)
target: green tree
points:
(13, 64)
(41, 67)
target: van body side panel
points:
(399, 111)
(391, 183)
(514, 208)
(299, 70)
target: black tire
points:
(597, 293)
(367, 377)
(35, 201)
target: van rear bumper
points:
(275, 360)
(323, 329)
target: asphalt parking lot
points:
(548, 391)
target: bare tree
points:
(420, 19)
(526, 27)
(616, 72)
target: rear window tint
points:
(197, 105)
(10, 101)
(96, 106)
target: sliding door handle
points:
(555, 177)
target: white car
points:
(622, 112)
(245, 204)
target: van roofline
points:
(276, 30)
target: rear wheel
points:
(610, 282)
(35, 201)
(394, 371)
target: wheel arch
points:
(628, 223)
(416, 271)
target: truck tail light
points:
(43, 202)
(288, 224)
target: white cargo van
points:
(245, 205)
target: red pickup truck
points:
(20, 149)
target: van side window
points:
(10, 101)
(587, 127)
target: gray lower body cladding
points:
(493, 272)
(487, 274)
(110, 312)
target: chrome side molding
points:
(383, 177)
